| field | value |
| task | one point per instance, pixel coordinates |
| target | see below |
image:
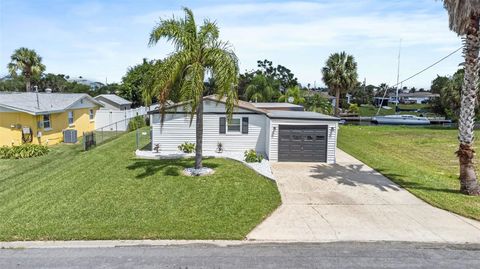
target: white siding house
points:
(250, 128)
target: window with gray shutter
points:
(223, 125)
(245, 125)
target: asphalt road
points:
(327, 255)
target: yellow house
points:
(41, 118)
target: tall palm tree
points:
(259, 89)
(28, 62)
(464, 18)
(340, 75)
(198, 53)
(296, 93)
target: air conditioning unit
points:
(70, 136)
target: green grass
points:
(106, 193)
(370, 110)
(422, 160)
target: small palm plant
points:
(464, 18)
(198, 53)
(294, 92)
(28, 62)
(340, 75)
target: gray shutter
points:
(245, 125)
(223, 125)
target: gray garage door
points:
(299, 143)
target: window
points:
(70, 117)
(92, 114)
(234, 126)
(46, 122)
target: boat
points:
(401, 120)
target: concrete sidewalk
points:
(349, 201)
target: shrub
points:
(353, 108)
(136, 123)
(187, 147)
(23, 151)
(251, 156)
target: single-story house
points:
(113, 102)
(278, 135)
(417, 97)
(41, 118)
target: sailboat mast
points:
(398, 77)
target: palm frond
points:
(460, 12)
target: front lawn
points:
(422, 160)
(106, 193)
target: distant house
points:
(329, 97)
(417, 97)
(113, 102)
(90, 83)
(41, 118)
(280, 135)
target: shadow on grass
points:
(414, 185)
(167, 167)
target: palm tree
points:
(198, 53)
(464, 18)
(259, 89)
(28, 62)
(295, 92)
(340, 75)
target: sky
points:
(99, 40)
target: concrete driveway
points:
(348, 201)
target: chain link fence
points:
(143, 138)
(114, 130)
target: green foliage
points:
(187, 147)
(280, 73)
(198, 52)
(23, 151)
(340, 74)
(136, 122)
(260, 89)
(138, 83)
(26, 63)
(12, 84)
(296, 92)
(251, 156)
(363, 94)
(353, 108)
(317, 102)
(449, 89)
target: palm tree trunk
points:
(27, 84)
(337, 102)
(465, 153)
(199, 136)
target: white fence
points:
(108, 118)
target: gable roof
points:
(114, 99)
(300, 115)
(41, 103)
(214, 98)
(239, 104)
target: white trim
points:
(234, 132)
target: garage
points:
(302, 143)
